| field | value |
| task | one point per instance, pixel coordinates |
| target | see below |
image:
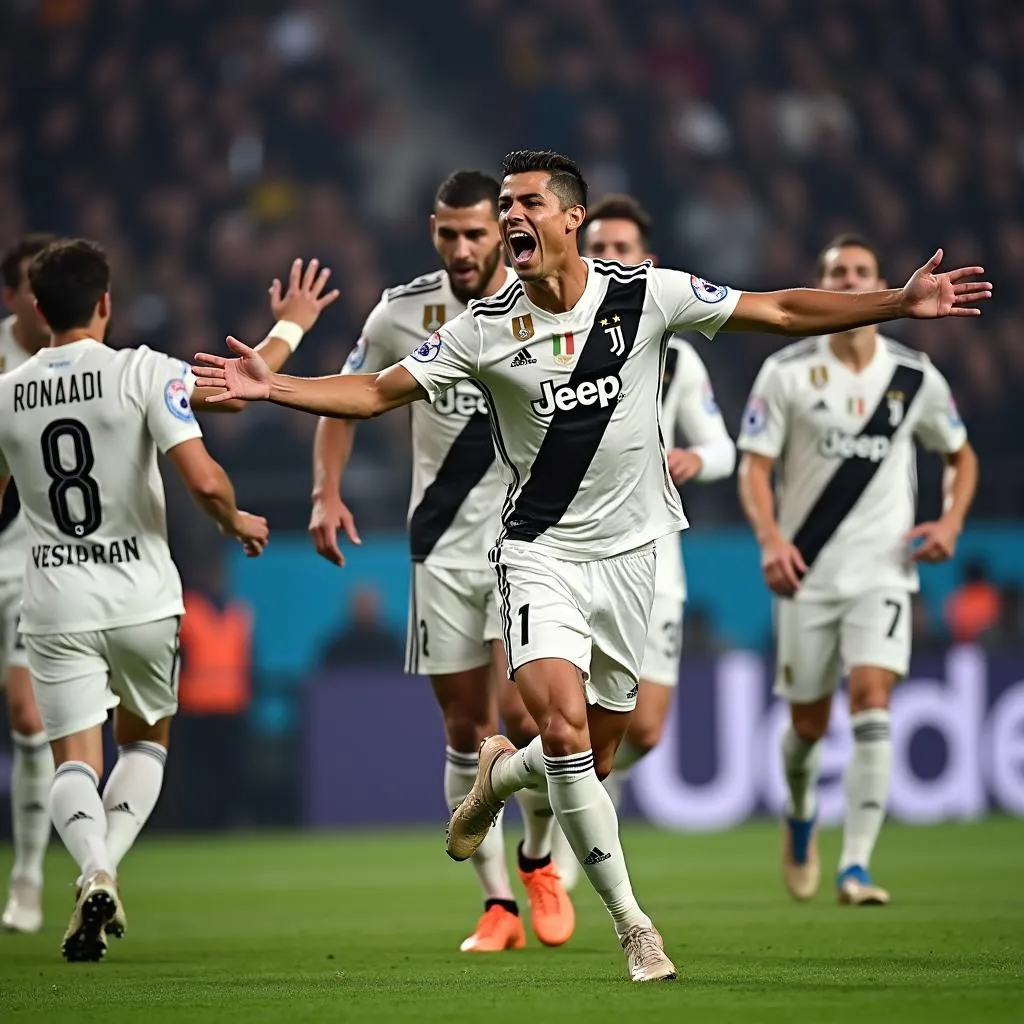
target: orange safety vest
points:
(216, 649)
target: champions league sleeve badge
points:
(755, 416)
(427, 352)
(176, 400)
(357, 356)
(706, 291)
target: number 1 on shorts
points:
(524, 624)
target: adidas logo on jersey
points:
(596, 856)
(634, 690)
(820, 406)
(459, 403)
(601, 392)
(838, 444)
(522, 358)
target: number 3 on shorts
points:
(895, 609)
(524, 624)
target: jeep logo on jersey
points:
(459, 403)
(838, 444)
(554, 398)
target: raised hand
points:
(304, 301)
(247, 377)
(928, 295)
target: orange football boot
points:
(551, 910)
(499, 929)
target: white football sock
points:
(586, 816)
(79, 817)
(524, 770)
(131, 793)
(489, 860)
(538, 822)
(801, 764)
(867, 786)
(31, 778)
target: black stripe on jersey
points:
(421, 286)
(612, 268)
(499, 447)
(499, 304)
(574, 435)
(850, 480)
(798, 350)
(468, 459)
(668, 374)
(11, 506)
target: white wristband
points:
(289, 332)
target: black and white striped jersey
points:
(846, 471)
(13, 533)
(456, 486)
(574, 402)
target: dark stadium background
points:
(207, 144)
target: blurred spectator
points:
(1007, 633)
(974, 607)
(364, 639)
(924, 635)
(214, 694)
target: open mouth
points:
(522, 246)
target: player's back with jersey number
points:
(80, 426)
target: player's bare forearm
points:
(756, 498)
(960, 482)
(332, 448)
(274, 351)
(803, 311)
(357, 396)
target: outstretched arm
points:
(353, 395)
(296, 312)
(802, 311)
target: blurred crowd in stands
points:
(206, 144)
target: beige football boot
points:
(645, 955)
(802, 880)
(472, 819)
(24, 910)
(97, 914)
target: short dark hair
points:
(467, 188)
(847, 240)
(567, 181)
(68, 278)
(24, 248)
(619, 206)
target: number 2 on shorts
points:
(524, 624)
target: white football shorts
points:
(452, 620)
(79, 677)
(818, 642)
(664, 641)
(12, 644)
(594, 614)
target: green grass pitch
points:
(366, 927)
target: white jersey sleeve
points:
(940, 427)
(689, 302)
(166, 385)
(448, 356)
(766, 417)
(376, 349)
(690, 403)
